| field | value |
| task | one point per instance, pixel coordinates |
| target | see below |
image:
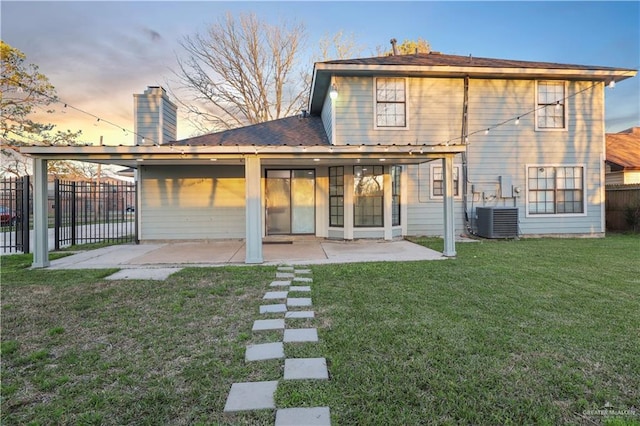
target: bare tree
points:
(338, 46)
(240, 72)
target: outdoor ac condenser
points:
(497, 222)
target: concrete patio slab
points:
(213, 253)
(264, 351)
(270, 295)
(312, 416)
(292, 335)
(299, 301)
(276, 308)
(269, 324)
(159, 274)
(251, 396)
(305, 368)
(299, 315)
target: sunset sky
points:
(98, 54)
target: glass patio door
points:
(290, 202)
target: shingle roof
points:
(439, 59)
(623, 148)
(296, 130)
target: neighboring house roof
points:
(436, 64)
(291, 131)
(623, 149)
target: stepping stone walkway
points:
(249, 396)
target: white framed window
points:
(551, 105)
(437, 183)
(390, 94)
(555, 190)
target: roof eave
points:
(324, 71)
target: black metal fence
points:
(79, 212)
(14, 214)
(91, 212)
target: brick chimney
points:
(155, 117)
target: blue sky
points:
(98, 54)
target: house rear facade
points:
(394, 146)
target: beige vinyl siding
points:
(169, 120)
(434, 111)
(192, 202)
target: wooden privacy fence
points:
(623, 207)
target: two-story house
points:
(424, 144)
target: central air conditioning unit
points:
(497, 222)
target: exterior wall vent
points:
(497, 222)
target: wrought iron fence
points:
(91, 212)
(79, 213)
(14, 214)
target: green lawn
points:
(511, 332)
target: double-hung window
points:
(555, 190)
(391, 102)
(551, 106)
(437, 182)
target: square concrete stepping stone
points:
(300, 288)
(251, 396)
(284, 275)
(285, 268)
(269, 324)
(279, 283)
(264, 351)
(303, 279)
(305, 368)
(302, 271)
(299, 301)
(299, 314)
(275, 295)
(280, 307)
(313, 416)
(300, 335)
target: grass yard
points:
(538, 331)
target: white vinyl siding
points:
(433, 112)
(507, 150)
(192, 202)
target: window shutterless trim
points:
(458, 187)
(563, 102)
(406, 104)
(556, 215)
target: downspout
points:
(463, 138)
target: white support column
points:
(447, 201)
(253, 217)
(387, 198)
(40, 220)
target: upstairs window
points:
(551, 105)
(391, 102)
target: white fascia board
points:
(483, 72)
